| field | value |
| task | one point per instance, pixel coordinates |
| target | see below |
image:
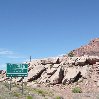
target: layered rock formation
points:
(92, 49)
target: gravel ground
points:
(16, 92)
(40, 93)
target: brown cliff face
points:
(91, 49)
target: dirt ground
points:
(37, 91)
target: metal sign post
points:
(10, 83)
(17, 70)
(30, 58)
(22, 85)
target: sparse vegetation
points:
(41, 92)
(29, 93)
(29, 97)
(59, 97)
(70, 54)
(16, 94)
(77, 90)
(6, 84)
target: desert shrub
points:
(16, 94)
(77, 90)
(70, 54)
(6, 84)
(29, 97)
(14, 85)
(41, 92)
(59, 97)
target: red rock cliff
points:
(91, 49)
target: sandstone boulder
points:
(50, 61)
(48, 66)
(56, 65)
(35, 73)
(70, 61)
(98, 83)
(57, 77)
(84, 71)
(51, 71)
(81, 61)
(44, 78)
(70, 75)
(33, 63)
(92, 60)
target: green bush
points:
(16, 94)
(29, 97)
(58, 97)
(41, 92)
(77, 90)
(70, 54)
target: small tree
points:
(70, 54)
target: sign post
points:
(17, 70)
(22, 85)
(10, 83)
(30, 58)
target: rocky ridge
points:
(61, 70)
(66, 71)
(91, 49)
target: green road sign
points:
(17, 70)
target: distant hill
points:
(91, 49)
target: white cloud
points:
(61, 55)
(6, 52)
(16, 56)
(10, 54)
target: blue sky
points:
(44, 28)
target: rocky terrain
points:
(91, 49)
(63, 77)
